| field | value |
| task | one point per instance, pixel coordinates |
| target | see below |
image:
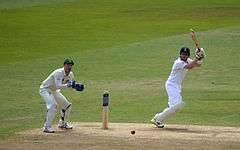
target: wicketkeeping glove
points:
(200, 54)
(76, 86)
(79, 87)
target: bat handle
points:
(197, 46)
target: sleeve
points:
(179, 65)
(58, 81)
(189, 60)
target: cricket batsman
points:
(174, 83)
(50, 92)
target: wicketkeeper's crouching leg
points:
(66, 107)
(51, 110)
(64, 122)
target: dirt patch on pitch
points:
(90, 136)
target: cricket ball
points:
(132, 132)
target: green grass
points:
(125, 47)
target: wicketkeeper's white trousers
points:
(175, 102)
(52, 100)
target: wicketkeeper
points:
(174, 83)
(50, 92)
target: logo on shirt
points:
(65, 80)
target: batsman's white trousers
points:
(174, 93)
(175, 102)
(52, 100)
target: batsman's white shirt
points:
(57, 80)
(174, 82)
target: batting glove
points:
(200, 54)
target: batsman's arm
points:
(194, 63)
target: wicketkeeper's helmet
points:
(185, 50)
(68, 61)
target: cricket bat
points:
(194, 38)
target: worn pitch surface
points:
(118, 136)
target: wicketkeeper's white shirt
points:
(57, 80)
(178, 72)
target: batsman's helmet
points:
(185, 50)
(68, 61)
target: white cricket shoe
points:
(64, 125)
(48, 130)
(158, 124)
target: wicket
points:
(105, 110)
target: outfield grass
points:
(125, 47)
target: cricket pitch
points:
(90, 136)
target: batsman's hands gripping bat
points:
(200, 54)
